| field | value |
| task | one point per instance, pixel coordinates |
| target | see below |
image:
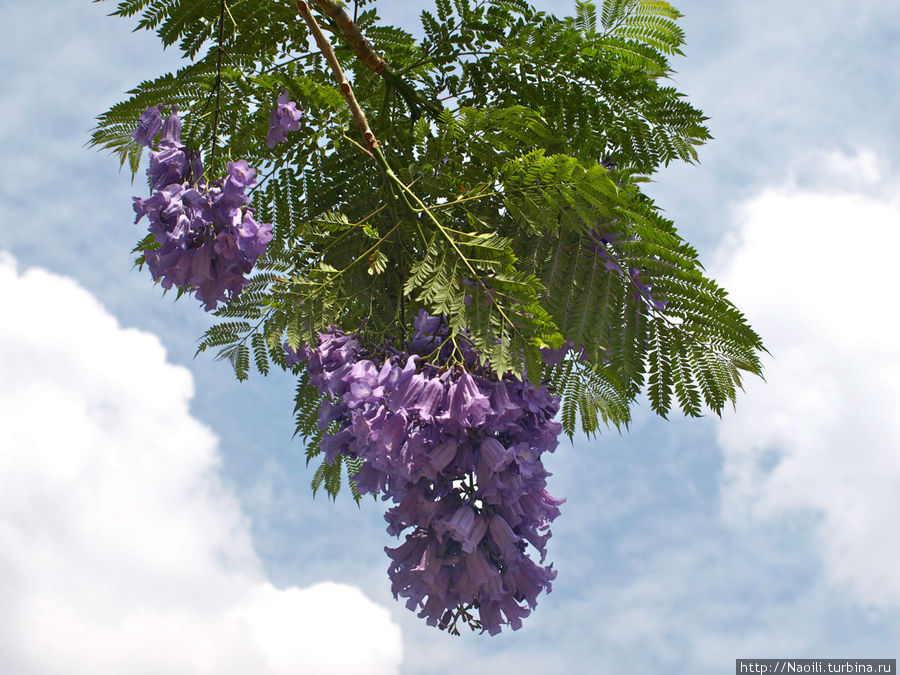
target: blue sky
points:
(155, 515)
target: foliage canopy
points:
(503, 192)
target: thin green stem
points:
(360, 257)
(276, 66)
(342, 235)
(423, 208)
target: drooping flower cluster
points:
(284, 117)
(208, 239)
(458, 453)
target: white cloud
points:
(814, 266)
(120, 549)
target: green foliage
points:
(306, 415)
(511, 139)
(589, 396)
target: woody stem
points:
(359, 117)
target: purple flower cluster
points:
(208, 239)
(459, 456)
(284, 117)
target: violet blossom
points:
(149, 124)
(208, 241)
(284, 117)
(458, 455)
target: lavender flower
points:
(149, 124)
(285, 117)
(208, 240)
(458, 455)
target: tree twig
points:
(368, 56)
(373, 60)
(359, 117)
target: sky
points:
(156, 517)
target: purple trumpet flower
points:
(459, 456)
(208, 239)
(149, 124)
(285, 117)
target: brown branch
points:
(372, 60)
(359, 117)
(352, 34)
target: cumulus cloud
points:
(120, 549)
(813, 264)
